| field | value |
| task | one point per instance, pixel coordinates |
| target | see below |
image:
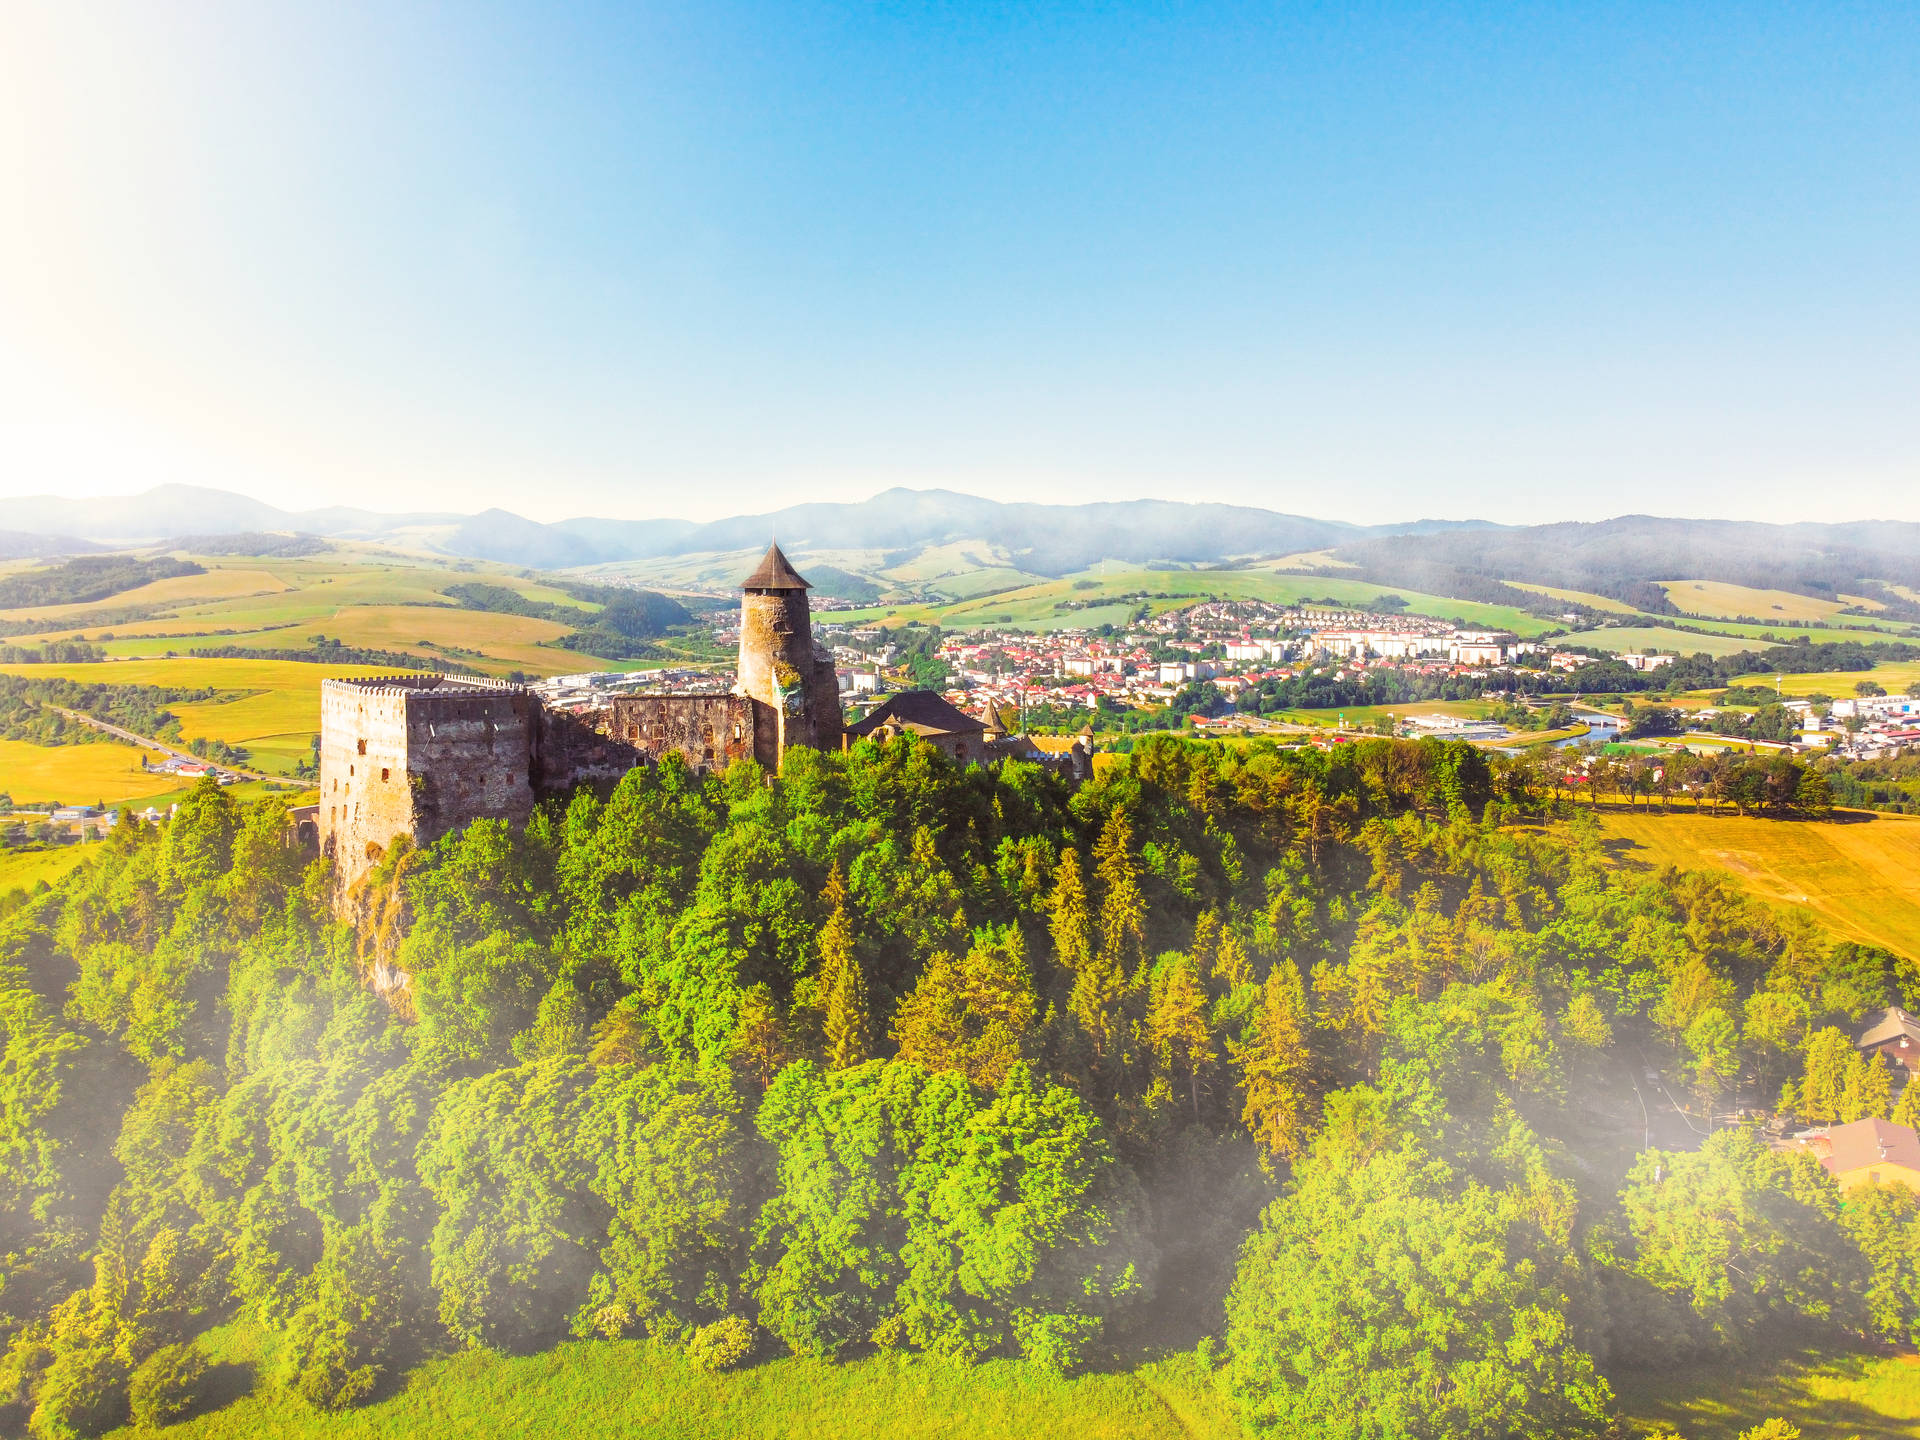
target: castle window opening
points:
(384, 772)
(363, 747)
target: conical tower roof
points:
(775, 572)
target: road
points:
(148, 743)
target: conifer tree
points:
(1123, 909)
(976, 1015)
(1176, 1028)
(1869, 1091)
(1273, 1067)
(1823, 1086)
(1232, 965)
(843, 985)
(1072, 923)
(1907, 1112)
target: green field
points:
(587, 1390)
(1828, 1398)
(1035, 607)
(1620, 638)
(1860, 876)
(24, 869)
(598, 1390)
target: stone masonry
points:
(422, 755)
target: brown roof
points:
(1890, 1024)
(925, 712)
(1871, 1142)
(774, 573)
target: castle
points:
(422, 755)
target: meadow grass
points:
(1619, 638)
(597, 1390)
(1859, 875)
(24, 869)
(1828, 1396)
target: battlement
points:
(421, 755)
(391, 686)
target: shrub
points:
(721, 1345)
(83, 1393)
(167, 1386)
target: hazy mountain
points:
(1621, 558)
(19, 545)
(167, 511)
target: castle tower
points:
(780, 667)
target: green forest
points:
(1303, 1062)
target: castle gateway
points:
(422, 755)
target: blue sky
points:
(1524, 262)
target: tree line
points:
(1277, 1045)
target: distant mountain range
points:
(895, 532)
(1044, 539)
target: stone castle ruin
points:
(422, 755)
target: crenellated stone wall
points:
(420, 756)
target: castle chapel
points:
(421, 755)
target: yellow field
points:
(1893, 677)
(1727, 602)
(77, 774)
(1579, 597)
(216, 584)
(278, 708)
(1861, 877)
(24, 869)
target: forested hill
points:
(1316, 1053)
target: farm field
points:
(78, 774)
(270, 706)
(382, 600)
(1723, 601)
(1618, 638)
(1373, 714)
(1035, 606)
(1893, 677)
(1860, 876)
(1578, 597)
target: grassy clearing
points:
(24, 869)
(589, 1390)
(78, 774)
(1372, 714)
(1860, 876)
(596, 1390)
(1829, 1397)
